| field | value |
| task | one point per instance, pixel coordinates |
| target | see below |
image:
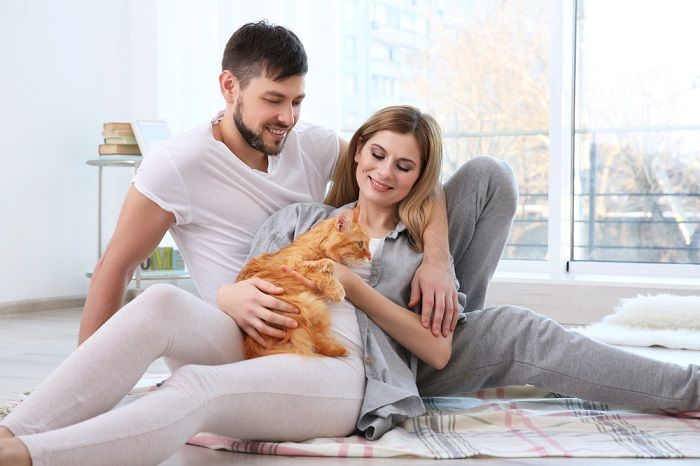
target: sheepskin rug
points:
(659, 320)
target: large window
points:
(606, 154)
(637, 144)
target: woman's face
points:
(388, 165)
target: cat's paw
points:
(318, 266)
(335, 291)
(326, 266)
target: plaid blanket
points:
(506, 422)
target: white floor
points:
(33, 344)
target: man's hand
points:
(250, 303)
(434, 283)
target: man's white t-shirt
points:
(219, 202)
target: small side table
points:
(134, 162)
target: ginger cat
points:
(341, 239)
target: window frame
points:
(562, 124)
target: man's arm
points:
(140, 228)
(434, 280)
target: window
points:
(408, 21)
(383, 86)
(482, 71)
(379, 51)
(350, 47)
(637, 144)
(606, 152)
(349, 10)
(350, 84)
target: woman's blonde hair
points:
(414, 209)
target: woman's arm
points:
(401, 324)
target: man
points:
(213, 186)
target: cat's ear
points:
(342, 223)
(356, 214)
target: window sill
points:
(597, 279)
(579, 299)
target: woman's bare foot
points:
(5, 433)
(14, 453)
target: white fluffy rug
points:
(662, 320)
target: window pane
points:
(637, 144)
(481, 68)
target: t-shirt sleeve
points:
(322, 145)
(159, 179)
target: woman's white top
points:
(343, 320)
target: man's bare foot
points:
(14, 453)
(5, 433)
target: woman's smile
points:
(377, 186)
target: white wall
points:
(69, 66)
(191, 41)
(65, 70)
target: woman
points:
(391, 169)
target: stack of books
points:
(164, 258)
(119, 140)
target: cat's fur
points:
(340, 239)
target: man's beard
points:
(255, 140)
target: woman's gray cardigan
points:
(391, 394)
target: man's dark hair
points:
(262, 47)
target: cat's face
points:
(349, 243)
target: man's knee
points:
(482, 166)
(514, 315)
(493, 177)
(160, 303)
(519, 326)
(162, 292)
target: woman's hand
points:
(435, 284)
(251, 305)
